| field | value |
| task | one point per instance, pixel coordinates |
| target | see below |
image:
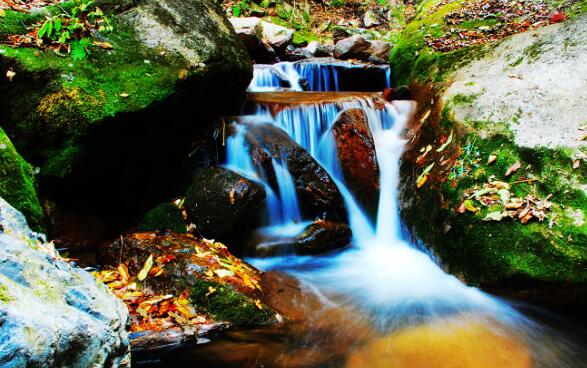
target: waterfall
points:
(321, 74)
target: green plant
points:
(338, 3)
(467, 160)
(73, 31)
(240, 8)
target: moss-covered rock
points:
(225, 303)
(17, 183)
(539, 260)
(90, 121)
(166, 216)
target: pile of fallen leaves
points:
(72, 31)
(26, 5)
(497, 195)
(154, 311)
(509, 17)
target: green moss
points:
(226, 304)
(490, 252)
(412, 60)
(17, 183)
(165, 216)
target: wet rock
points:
(354, 47)
(166, 216)
(53, 314)
(340, 33)
(318, 237)
(224, 205)
(317, 193)
(372, 19)
(276, 36)
(220, 288)
(357, 157)
(400, 93)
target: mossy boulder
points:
(166, 216)
(17, 183)
(479, 132)
(225, 205)
(220, 286)
(102, 127)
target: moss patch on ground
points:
(17, 183)
(412, 60)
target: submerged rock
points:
(53, 314)
(317, 237)
(224, 205)
(357, 157)
(317, 193)
(467, 341)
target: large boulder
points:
(17, 182)
(357, 157)
(53, 314)
(317, 193)
(504, 205)
(224, 205)
(102, 127)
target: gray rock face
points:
(354, 47)
(357, 47)
(371, 19)
(536, 82)
(53, 314)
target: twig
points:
(525, 181)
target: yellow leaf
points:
(102, 45)
(211, 291)
(186, 310)
(223, 273)
(2, 13)
(146, 268)
(123, 271)
(470, 206)
(421, 181)
(258, 304)
(441, 148)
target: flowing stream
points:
(416, 315)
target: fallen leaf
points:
(512, 169)
(146, 268)
(258, 304)
(124, 95)
(223, 273)
(496, 216)
(10, 75)
(183, 74)
(491, 159)
(470, 206)
(576, 164)
(448, 141)
(102, 45)
(424, 176)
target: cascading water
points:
(318, 75)
(382, 274)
